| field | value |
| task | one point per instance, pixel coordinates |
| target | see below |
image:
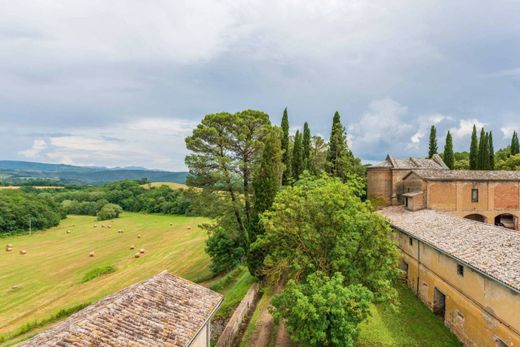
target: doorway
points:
(439, 304)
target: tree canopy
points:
(432, 148)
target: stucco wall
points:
(379, 185)
(202, 339)
(478, 309)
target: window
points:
(410, 241)
(460, 270)
(474, 195)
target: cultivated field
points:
(49, 277)
(172, 185)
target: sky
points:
(121, 83)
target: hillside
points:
(21, 171)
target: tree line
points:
(481, 154)
(294, 210)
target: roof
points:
(163, 310)
(486, 248)
(435, 163)
(468, 175)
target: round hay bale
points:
(9, 245)
(132, 247)
(92, 254)
(109, 227)
(102, 226)
(95, 226)
(8, 249)
(120, 231)
(23, 251)
(141, 251)
(189, 228)
(138, 236)
(68, 231)
(171, 224)
(137, 255)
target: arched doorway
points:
(506, 220)
(477, 217)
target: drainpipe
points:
(418, 265)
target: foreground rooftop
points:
(163, 310)
(492, 250)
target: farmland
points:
(57, 272)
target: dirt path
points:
(282, 336)
(264, 328)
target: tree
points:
(491, 151)
(297, 156)
(322, 311)
(433, 142)
(224, 250)
(448, 156)
(266, 184)
(306, 147)
(322, 225)
(286, 159)
(515, 145)
(483, 151)
(109, 211)
(318, 156)
(225, 149)
(340, 160)
(473, 150)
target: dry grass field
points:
(172, 185)
(51, 275)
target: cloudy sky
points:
(121, 83)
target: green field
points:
(57, 272)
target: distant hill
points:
(22, 171)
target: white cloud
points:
(465, 127)
(37, 147)
(424, 125)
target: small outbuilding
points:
(164, 310)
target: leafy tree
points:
(225, 149)
(109, 211)
(297, 156)
(473, 150)
(286, 159)
(515, 145)
(510, 163)
(322, 225)
(322, 311)
(224, 250)
(306, 147)
(448, 156)
(491, 151)
(433, 142)
(266, 184)
(340, 160)
(318, 156)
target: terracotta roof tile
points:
(164, 310)
(468, 175)
(490, 249)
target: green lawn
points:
(57, 272)
(412, 325)
(234, 287)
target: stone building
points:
(492, 197)
(384, 180)
(466, 272)
(164, 310)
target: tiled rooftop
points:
(435, 163)
(493, 250)
(164, 310)
(468, 175)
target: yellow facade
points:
(478, 309)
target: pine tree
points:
(338, 149)
(515, 145)
(449, 157)
(266, 184)
(433, 142)
(286, 153)
(306, 147)
(473, 150)
(491, 151)
(297, 156)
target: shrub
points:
(99, 271)
(225, 252)
(109, 211)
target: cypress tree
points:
(473, 150)
(483, 151)
(266, 183)
(515, 145)
(306, 147)
(286, 154)
(491, 151)
(433, 142)
(338, 149)
(297, 156)
(449, 157)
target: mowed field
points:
(49, 277)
